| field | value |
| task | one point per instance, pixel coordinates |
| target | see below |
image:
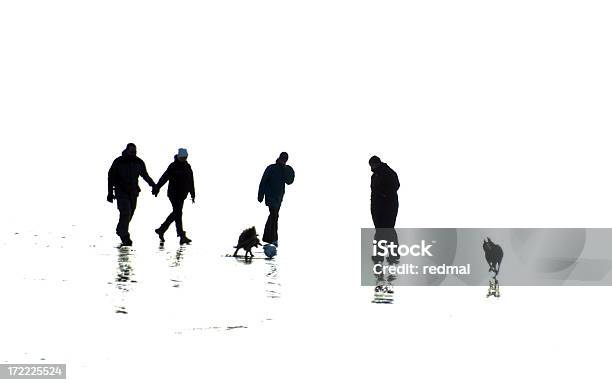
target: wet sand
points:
(64, 291)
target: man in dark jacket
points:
(384, 203)
(180, 175)
(272, 188)
(123, 178)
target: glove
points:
(109, 198)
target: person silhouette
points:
(384, 202)
(123, 180)
(180, 175)
(272, 188)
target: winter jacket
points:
(124, 172)
(272, 185)
(180, 176)
(384, 185)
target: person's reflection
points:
(178, 257)
(272, 284)
(124, 277)
(175, 266)
(383, 289)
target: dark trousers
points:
(126, 204)
(271, 230)
(175, 216)
(384, 215)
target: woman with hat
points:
(180, 176)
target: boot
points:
(184, 239)
(160, 233)
(126, 241)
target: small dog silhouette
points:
(493, 254)
(247, 240)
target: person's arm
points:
(289, 174)
(262, 184)
(111, 181)
(389, 183)
(162, 181)
(192, 186)
(376, 185)
(396, 182)
(164, 178)
(145, 175)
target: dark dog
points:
(247, 240)
(493, 254)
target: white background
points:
(494, 114)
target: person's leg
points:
(177, 210)
(388, 221)
(271, 229)
(133, 198)
(164, 226)
(275, 224)
(124, 206)
(267, 235)
(383, 216)
(377, 217)
(133, 201)
(393, 214)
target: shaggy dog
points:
(247, 240)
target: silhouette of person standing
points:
(384, 202)
(180, 175)
(123, 178)
(272, 188)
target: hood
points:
(380, 168)
(125, 156)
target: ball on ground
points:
(269, 250)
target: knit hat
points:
(182, 153)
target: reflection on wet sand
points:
(166, 287)
(271, 272)
(124, 278)
(174, 261)
(383, 291)
(198, 276)
(272, 284)
(109, 300)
